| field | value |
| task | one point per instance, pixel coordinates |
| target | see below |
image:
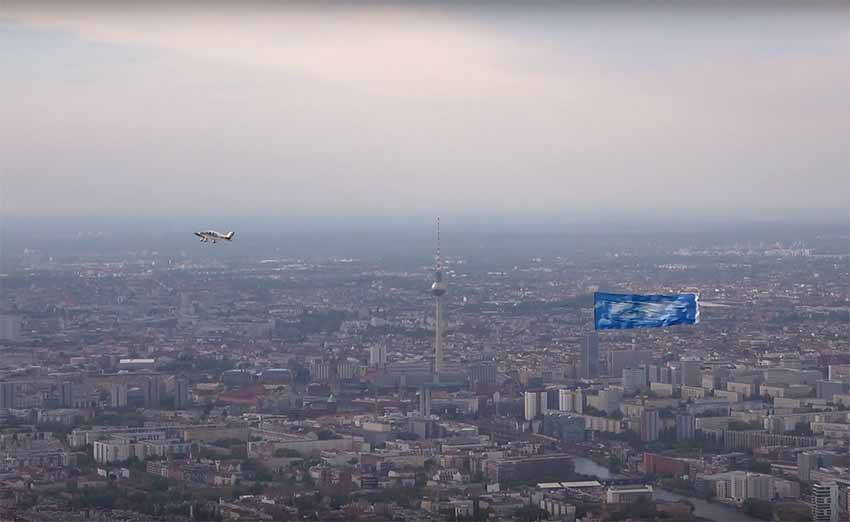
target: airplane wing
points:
(198, 234)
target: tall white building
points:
(825, 502)
(535, 404)
(565, 400)
(377, 356)
(530, 405)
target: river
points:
(585, 466)
(709, 510)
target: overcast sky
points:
(434, 109)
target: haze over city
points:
(424, 262)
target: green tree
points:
(758, 508)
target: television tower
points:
(438, 290)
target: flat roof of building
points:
(549, 485)
(581, 484)
(631, 489)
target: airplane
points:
(212, 235)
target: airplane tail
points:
(229, 235)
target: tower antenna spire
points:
(439, 260)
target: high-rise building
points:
(808, 461)
(634, 379)
(676, 375)
(535, 404)
(824, 502)
(650, 425)
(685, 427)
(118, 395)
(181, 393)
(530, 401)
(151, 390)
(7, 394)
(609, 400)
(759, 486)
(438, 290)
(566, 400)
(589, 360)
(691, 372)
(653, 373)
(619, 359)
(425, 401)
(828, 389)
(66, 395)
(665, 375)
(10, 327)
(377, 356)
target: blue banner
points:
(622, 311)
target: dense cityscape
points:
(219, 382)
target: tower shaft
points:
(438, 338)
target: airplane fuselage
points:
(213, 236)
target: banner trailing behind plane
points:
(623, 311)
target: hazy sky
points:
(285, 109)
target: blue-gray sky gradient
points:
(291, 110)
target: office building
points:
(425, 401)
(66, 395)
(589, 360)
(617, 360)
(181, 393)
(551, 467)
(151, 392)
(634, 380)
(7, 394)
(566, 400)
(118, 395)
(377, 356)
(685, 427)
(483, 372)
(628, 494)
(653, 373)
(650, 425)
(691, 372)
(828, 389)
(535, 404)
(609, 400)
(824, 502)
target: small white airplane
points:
(212, 235)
